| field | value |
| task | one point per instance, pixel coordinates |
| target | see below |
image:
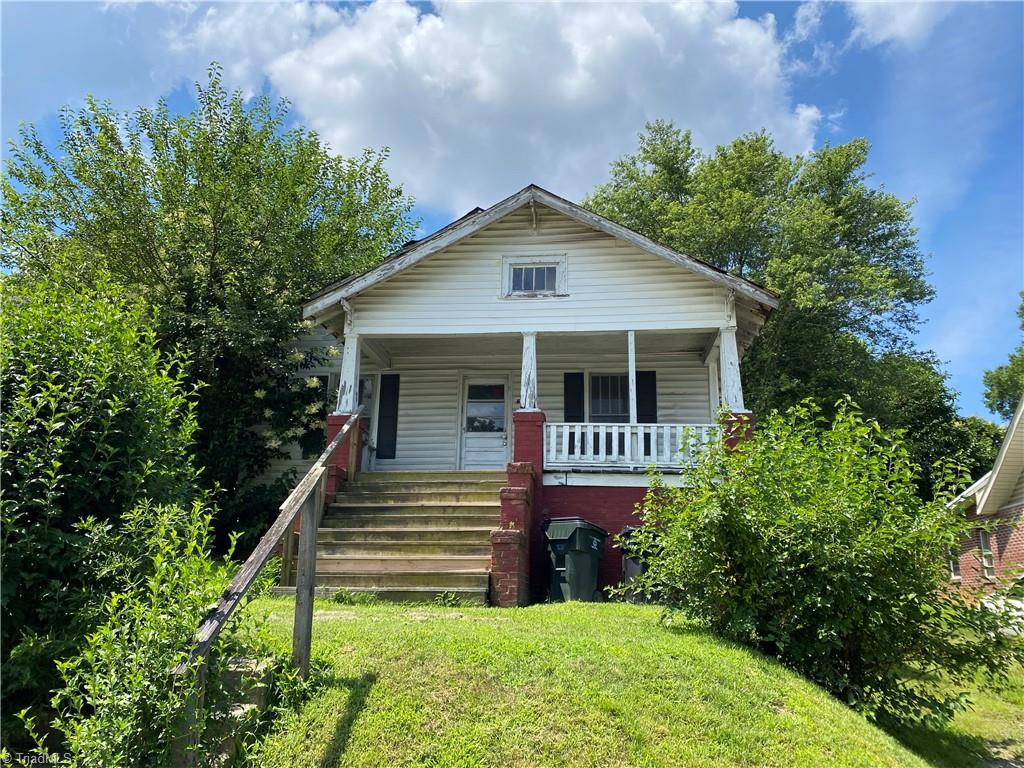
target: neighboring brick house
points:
(994, 553)
(527, 361)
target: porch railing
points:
(628, 446)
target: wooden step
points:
(408, 548)
(446, 520)
(437, 580)
(344, 535)
(401, 507)
(475, 596)
(387, 497)
(426, 564)
(438, 475)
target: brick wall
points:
(612, 508)
(1006, 539)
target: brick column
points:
(738, 426)
(337, 464)
(510, 544)
(528, 447)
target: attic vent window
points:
(533, 277)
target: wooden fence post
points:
(305, 582)
(185, 750)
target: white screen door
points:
(484, 423)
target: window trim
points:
(954, 566)
(986, 555)
(559, 261)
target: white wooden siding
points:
(611, 285)
(429, 398)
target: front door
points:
(484, 423)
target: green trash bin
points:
(575, 548)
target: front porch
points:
(611, 402)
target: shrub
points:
(122, 703)
(810, 543)
(93, 419)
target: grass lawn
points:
(580, 685)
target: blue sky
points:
(477, 100)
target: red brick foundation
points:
(612, 508)
(510, 544)
(739, 426)
(1006, 537)
(337, 465)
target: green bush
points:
(93, 420)
(810, 543)
(122, 704)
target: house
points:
(527, 361)
(994, 552)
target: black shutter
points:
(646, 397)
(572, 401)
(387, 416)
(572, 392)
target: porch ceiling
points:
(648, 342)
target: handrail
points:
(232, 596)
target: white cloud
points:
(904, 23)
(477, 100)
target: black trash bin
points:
(575, 548)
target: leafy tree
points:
(223, 220)
(94, 418)
(842, 254)
(810, 542)
(1004, 385)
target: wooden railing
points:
(629, 446)
(306, 499)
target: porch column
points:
(528, 378)
(348, 387)
(729, 367)
(631, 346)
(714, 398)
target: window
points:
(533, 276)
(540, 279)
(988, 565)
(609, 398)
(485, 408)
(954, 565)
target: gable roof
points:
(1008, 467)
(415, 251)
(992, 490)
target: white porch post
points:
(714, 398)
(348, 388)
(528, 378)
(729, 363)
(631, 346)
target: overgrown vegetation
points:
(841, 252)
(223, 220)
(1004, 384)
(94, 419)
(810, 542)
(122, 703)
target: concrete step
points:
(428, 496)
(419, 535)
(478, 520)
(410, 548)
(475, 596)
(429, 565)
(433, 580)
